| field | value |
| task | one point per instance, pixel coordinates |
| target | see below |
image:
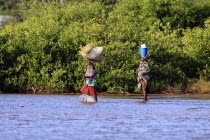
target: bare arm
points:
(137, 70)
(148, 70)
(88, 76)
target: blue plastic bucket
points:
(143, 51)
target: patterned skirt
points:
(139, 79)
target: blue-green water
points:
(65, 117)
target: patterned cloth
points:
(90, 83)
(90, 72)
(143, 67)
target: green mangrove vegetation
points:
(40, 51)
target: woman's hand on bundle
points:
(88, 76)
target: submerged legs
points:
(143, 90)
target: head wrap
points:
(91, 60)
(144, 57)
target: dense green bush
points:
(7, 5)
(42, 52)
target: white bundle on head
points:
(92, 52)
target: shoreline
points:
(122, 94)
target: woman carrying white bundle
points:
(90, 81)
(93, 54)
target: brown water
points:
(65, 117)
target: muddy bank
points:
(120, 94)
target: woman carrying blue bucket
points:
(142, 72)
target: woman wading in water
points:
(90, 80)
(143, 76)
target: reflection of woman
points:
(90, 80)
(143, 76)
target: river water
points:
(65, 117)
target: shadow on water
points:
(88, 103)
(198, 108)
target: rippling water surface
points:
(65, 117)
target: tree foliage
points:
(41, 51)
